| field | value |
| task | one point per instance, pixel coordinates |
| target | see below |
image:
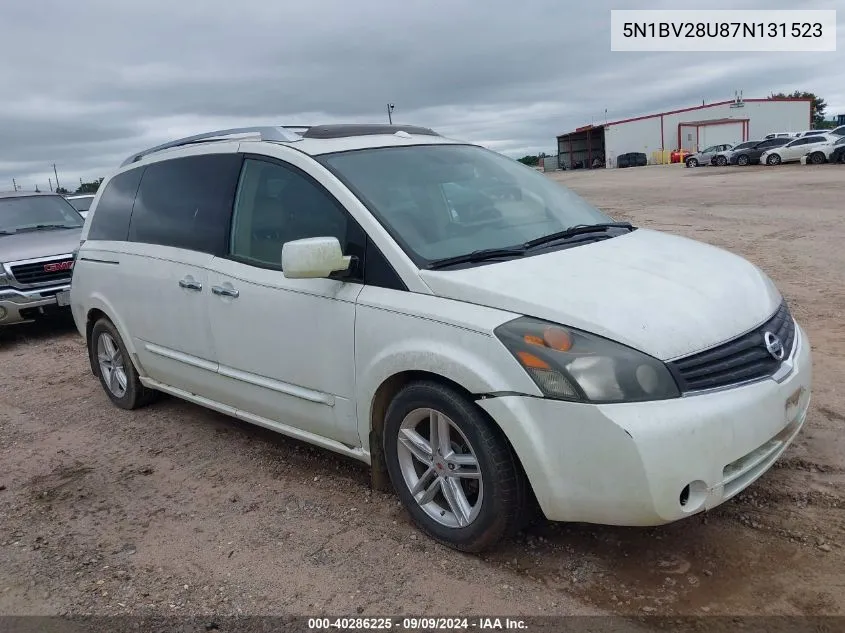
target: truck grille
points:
(743, 359)
(47, 271)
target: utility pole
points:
(50, 180)
(57, 177)
(14, 185)
(390, 107)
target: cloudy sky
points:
(86, 83)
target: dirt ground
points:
(173, 509)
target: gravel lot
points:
(177, 510)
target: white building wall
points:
(644, 135)
(635, 136)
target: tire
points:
(816, 158)
(490, 510)
(721, 161)
(774, 159)
(692, 162)
(114, 368)
(742, 160)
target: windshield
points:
(441, 201)
(748, 145)
(81, 204)
(29, 212)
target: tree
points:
(89, 187)
(817, 105)
(62, 191)
(530, 160)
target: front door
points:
(285, 347)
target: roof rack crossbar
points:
(266, 133)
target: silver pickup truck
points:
(39, 233)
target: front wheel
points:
(721, 161)
(692, 162)
(742, 160)
(774, 159)
(452, 468)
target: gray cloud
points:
(85, 84)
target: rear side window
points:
(111, 217)
(187, 203)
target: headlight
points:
(569, 364)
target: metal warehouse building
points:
(692, 128)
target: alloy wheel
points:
(111, 363)
(440, 468)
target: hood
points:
(34, 244)
(665, 295)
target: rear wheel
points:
(721, 161)
(742, 160)
(816, 158)
(773, 159)
(692, 162)
(452, 468)
(115, 369)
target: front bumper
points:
(21, 306)
(655, 462)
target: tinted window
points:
(841, 141)
(186, 203)
(277, 204)
(111, 217)
(816, 139)
(800, 141)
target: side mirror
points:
(313, 258)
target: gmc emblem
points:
(53, 268)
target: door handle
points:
(220, 291)
(190, 284)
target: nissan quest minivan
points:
(445, 314)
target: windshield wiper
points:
(48, 227)
(477, 256)
(578, 229)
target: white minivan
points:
(476, 332)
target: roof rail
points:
(266, 133)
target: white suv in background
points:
(471, 329)
(794, 150)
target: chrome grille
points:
(42, 272)
(742, 359)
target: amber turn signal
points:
(557, 338)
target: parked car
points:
(838, 131)
(38, 233)
(678, 155)
(486, 355)
(751, 156)
(779, 135)
(838, 154)
(794, 150)
(824, 153)
(720, 159)
(706, 155)
(81, 202)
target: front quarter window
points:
(444, 201)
